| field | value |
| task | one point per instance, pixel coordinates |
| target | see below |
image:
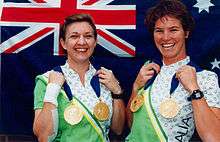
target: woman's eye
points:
(158, 31)
(74, 36)
(173, 30)
(88, 36)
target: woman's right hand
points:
(56, 77)
(145, 74)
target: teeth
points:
(168, 45)
(81, 49)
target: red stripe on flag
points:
(90, 2)
(56, 15)
(68, 5)
(28, 40)
(116, 42)
(40, 1)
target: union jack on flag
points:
(43, 17)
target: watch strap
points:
(117, 96)
(196, 94)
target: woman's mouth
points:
(81, 49)
(168, 45)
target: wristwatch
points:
(118, 96)
(196, 95)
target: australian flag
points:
(29, 45)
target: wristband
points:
(51, 93)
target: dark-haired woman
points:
(170, 99)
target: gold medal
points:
(169, 108)
(136, 103)
(101, 111)
(73, 114)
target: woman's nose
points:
(166, 35)
(81, 40)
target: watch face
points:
(197, 95)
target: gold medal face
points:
(101, 111)
(73, 114)
(136, 103)
(169, 108)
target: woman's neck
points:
(169, 61)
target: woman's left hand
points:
(187, 76)
(107, 78)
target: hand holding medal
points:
(146, 72)
(187, 76)
(107, 78)
(169, 108)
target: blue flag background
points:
(18, 70)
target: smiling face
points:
(169, 38)
(79, 42)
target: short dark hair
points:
(77, 18)
(173, 8)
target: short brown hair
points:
(77, 18)
(173, 8)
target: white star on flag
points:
(203, 5)
(215, 64)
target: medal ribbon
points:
(175, 81)
(94, 83)
(150, 82)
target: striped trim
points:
(90, 118)
(155, 122)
